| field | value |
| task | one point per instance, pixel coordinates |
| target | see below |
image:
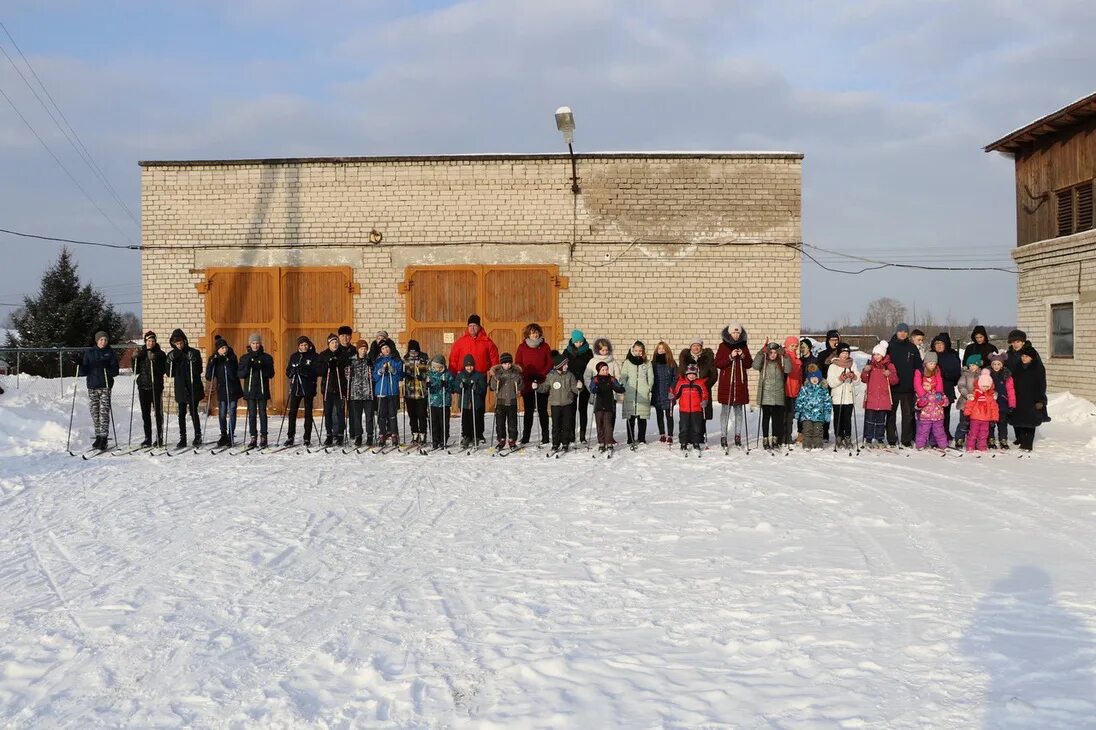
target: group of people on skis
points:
(908, 391)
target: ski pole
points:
(326, 387)
(746, 423)
(285, 412)
(209, 409)
(72, 411)
(167, 410)
(132, 393)
(405, 384)
(110, 410)
(856, 432)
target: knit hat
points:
(692, 369)
(100, 334)
(346, 330)
(254, 337)
(843, 347)
(833, 335)
(303, 339)
(438, 360)
(973, 358)
(506, 357)
(773, 347)
(332, 337)
(473, 319)
(998, 357)
(413, 346)
(880, 349)
(902, 327)
(558, 360)
(1029, 350)
(985, 380)
(696, 341)
(150, 335)
(577, 336)
(813, 371)
(1017, 336)
(219, 343)
(469, 361)
(360, 344)
(732, 326)
(932, 358)
(381, 334)
(604, 365)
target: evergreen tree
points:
(63, 314)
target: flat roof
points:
(485, 157)
(1067, 116)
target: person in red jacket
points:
(733, 359)
(692, 396)
(982, 410)
(880, 376)
(534, 357)
(792, 383)
(476, 343)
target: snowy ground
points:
(813, 590)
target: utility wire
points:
(70, 135)
(800, 247)
(67, 172)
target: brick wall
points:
(1057, 271)
(643, 227)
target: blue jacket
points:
(100, 366)
(813, 403)
(387, 384)
(665, 378)
(439, 385)
(224, 371)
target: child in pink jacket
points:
(928, 389)
(878, 375)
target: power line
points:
(62, 166)
(74, 140)
(877, 264)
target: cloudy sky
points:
(891, 101)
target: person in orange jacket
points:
(982, 410)
(792, 383)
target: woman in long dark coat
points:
(1030, 382)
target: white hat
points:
(880, 349)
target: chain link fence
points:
(52, 370)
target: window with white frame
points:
(1061, 330)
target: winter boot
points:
(500, 445)
(992, 443)
(1003, 444)
(253, 443)
(182, 442)
(329, 440)
(959, 444)
(103, 443)
(357, 441)
(684, 446)
(369, 442)
(223, 441)
(737, 440)
(263, 443)
(97, 443)
(197, 440)
(723, 442)
(147, 442)
(512, 444)
(288, 441)
(307, 443)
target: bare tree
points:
(882, 315)
(132, 324)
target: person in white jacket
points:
(842, 376)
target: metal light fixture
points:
(565, 123)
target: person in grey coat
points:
(774, 366)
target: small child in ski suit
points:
(1006, 399)
(507, 382)
(439, 386)
(472, 389)
(561, 387)
(931, 402)
(813, 407)
(968, 381)
(603, 386)
(691, 395)
(982, 410)
(878, 376)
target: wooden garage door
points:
(507, 298)
(281, 303)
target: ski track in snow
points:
(313, 590)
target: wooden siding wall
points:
(1061, 162)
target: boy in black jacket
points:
(184, 366)
(472, 388)
(150, 366)
(333, 367)
(256, 370)
(603, 387)
(302, 370)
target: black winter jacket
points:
(986, 349)
(603, 388)
(1030, 383)
(185, 368)
(256, 371)
(333, 368)
(150, 367)
(302, 371)
(951, 368)
(224, 371)
(906, 360)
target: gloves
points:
(703, 405)
(1038, 406)
(535, 384)
(580, 385)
